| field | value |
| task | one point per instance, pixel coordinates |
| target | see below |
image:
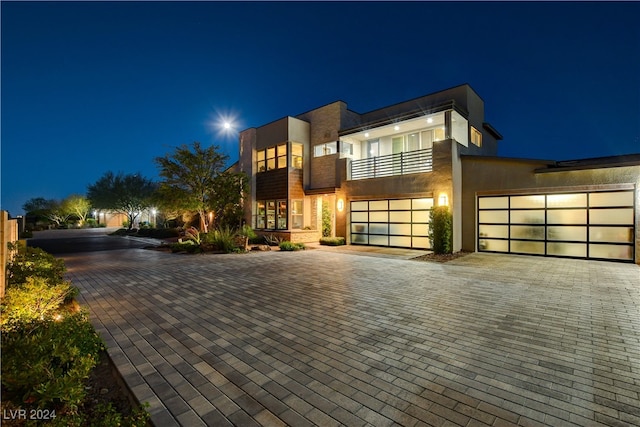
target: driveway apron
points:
(321, 337)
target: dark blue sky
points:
(92, 87)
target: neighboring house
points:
(377, 175)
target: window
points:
(282, 156)
(296, 155)
(438, 134)
(476, 137)
(261, 215)
(271, 215)
(325, 149)
(296, 214)
(262, 165)
(347, 148)
(272, 158)
(282, 215)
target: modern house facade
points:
(375, 176)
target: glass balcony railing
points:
(393, 164)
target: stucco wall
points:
(483, 175)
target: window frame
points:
(475, 137)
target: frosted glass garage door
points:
(597, 225)
(397, 222)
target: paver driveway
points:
(328, 338)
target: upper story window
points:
(325, 149)
(296, 155)
(476, 137)
(272, 158)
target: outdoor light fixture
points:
(429, 120)
(443, 200)
(340, 205)
(396, 127)
(366, 134)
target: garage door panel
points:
(567, 249)
(611, 234)
(567, 232)
(614, 198)
(611, 216)
(597, 224)
(621, 252)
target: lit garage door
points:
(598, 225)
(398, 222)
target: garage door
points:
(597, 224)
(397, 222)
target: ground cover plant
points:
(333, 241)
(290, 246)
(49, 350)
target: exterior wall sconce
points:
(340, 205)
(443, 200)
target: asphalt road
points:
(75, 241)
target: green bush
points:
(189, 246)
(46, 362)
(333, 241)
(26, 234)
(34, 262)
(441, 230)
(32, 301)
(223, 239)
(290, 246)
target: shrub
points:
(441, 230)
(273, 239)
(290, 246)
(333, 241)
(91, 223)
(223, 239)
(34, 262)
(32, 301)
(193, 234)
(248, 232)
(46, 362)
(189, 246)
(26, 234)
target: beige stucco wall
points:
(482, 175)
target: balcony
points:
(404, 163)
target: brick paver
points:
(323, 337)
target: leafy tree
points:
(229, 189)
(37, 206)
(79, 206)
(38, 209)
(190, 176)
(127, 194)
(59, 212)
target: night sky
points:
(95, 87)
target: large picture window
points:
(271, 215)
(296, 155)
(296, 214)
(325, 149)
(272, 158)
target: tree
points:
(79, 206)
(59, 212)
(37, 206)
(127, 194)
(229, 189)
(190, 175)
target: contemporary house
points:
(375, 176)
